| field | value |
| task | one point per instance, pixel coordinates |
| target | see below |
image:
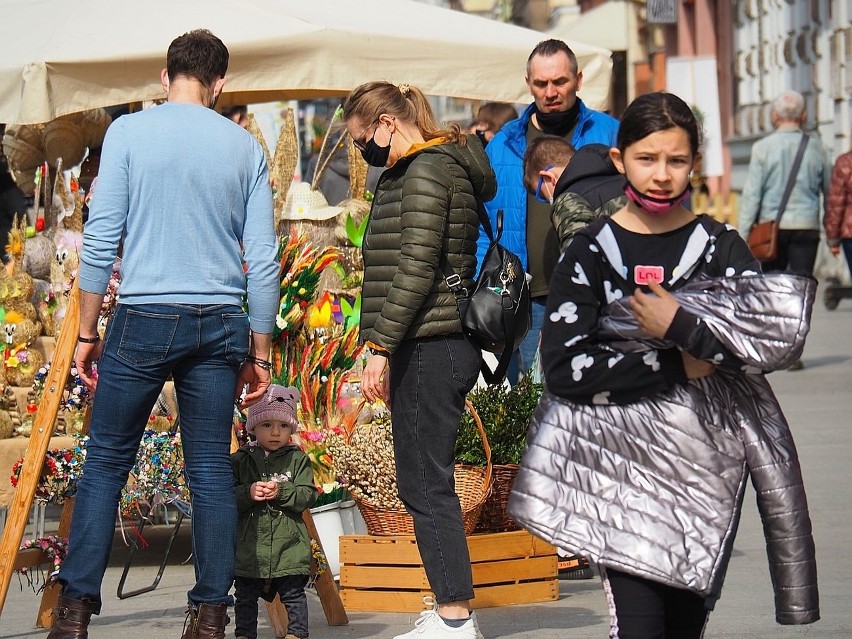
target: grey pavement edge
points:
(818, 405)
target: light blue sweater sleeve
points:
(185, 193)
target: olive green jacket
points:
(424, 215)
(571, 212)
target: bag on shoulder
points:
(763, 240)
(763, 237)
(496, 315)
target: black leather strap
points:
(791, 179)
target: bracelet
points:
(263, 363)
(376, 351)
(89, 340)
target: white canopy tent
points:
(65, 56)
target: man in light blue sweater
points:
(185, 193)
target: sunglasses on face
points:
(362, 146)
(538, 195)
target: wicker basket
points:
(494, 518)
(473, 484)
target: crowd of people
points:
(598, 211)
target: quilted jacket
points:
(506, 152)
(424, 215)
(655, 487)
(838, 205)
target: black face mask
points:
(481, 136)
(559, 123)
(376, 155)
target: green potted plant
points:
(505, 413)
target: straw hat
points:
(303, 203)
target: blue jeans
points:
(526, 351)
(429, 379)
(201, 347)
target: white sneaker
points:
(430, 626)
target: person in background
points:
(579, 185)
(423, 222)
(554, 78)
(12, 202)
(490, 119)
(178, 165)
(838, 208)
(274, 485)
(238, 114)
(768, 171)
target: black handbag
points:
(496, 315)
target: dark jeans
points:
(797, 251)
(290, 589)
(429, 378)
(645, 609)
(202, 347)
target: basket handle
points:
(485, 445)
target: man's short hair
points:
(547, 48)
(542, 152)
(789, 106)
(197, 54)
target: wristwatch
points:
(376, 351)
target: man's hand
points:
(654, 312)
(835, 250)
(255, 380)
(374, 379)
(84, 359)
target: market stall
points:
(279, 50)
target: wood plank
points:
(485, 597)
(48, 408)
(384, 601)
(514, 570)
(373, 577)
(278, 618)
(329, 596)
(365, 549)
(29, 558)
(530, 592)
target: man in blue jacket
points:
(554, 78)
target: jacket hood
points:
(473, 160)
(588, 161)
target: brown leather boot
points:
(207, 622)
(71, 619)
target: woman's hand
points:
(374, 379)
(654, 312)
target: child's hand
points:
(654, 312)
(263, 490)
(272, 493)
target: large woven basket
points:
(473, 484)
(494, 518)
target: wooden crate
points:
(384, 574)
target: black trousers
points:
(290, 589)
(429, 378)
(644, 609)
(797, 251)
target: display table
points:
(11, 450)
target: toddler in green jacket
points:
(274, 485)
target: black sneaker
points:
(574, 567)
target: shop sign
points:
(661, 12)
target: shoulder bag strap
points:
(791, 179)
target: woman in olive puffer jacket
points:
(424, 215)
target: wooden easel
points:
(11, 558)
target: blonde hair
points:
(405, 102)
